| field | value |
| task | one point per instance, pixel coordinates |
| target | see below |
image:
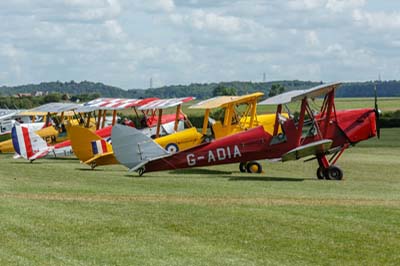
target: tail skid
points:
(134, 149)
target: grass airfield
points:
(58, 212)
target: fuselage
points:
(343, 128)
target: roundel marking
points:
(172, 148)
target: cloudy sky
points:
(125, 42)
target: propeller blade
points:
(377, 115)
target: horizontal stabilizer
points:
(132, 148)
(313, 148)
(96, 157)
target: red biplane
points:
(318, 134)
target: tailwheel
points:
(253, 167)
(242, 167)
(93, 165)
(320, 173)
(333, 173)
(140, 171)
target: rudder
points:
(134, 149)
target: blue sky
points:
(125, 43)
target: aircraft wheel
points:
(93, 165)
(242, 167)
(253, 167)
(334, 173)
(320, 173)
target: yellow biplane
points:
(239, 114)
(57, 115)
(94, 149)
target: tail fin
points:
(28, 144)
(87, 144)
(134, 149)
(99, 147)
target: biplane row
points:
(163, 137)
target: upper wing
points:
(112, 104)
(222, 101)
(165, 103)
(296, 95)
(51, 108)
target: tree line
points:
(86, 91)
(202, 90)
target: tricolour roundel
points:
(172, 148)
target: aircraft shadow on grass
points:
(89, 169)
(225, 174)
(192, 171)
(214, 173)
(63, 159)
(228, 175)
(22, 162)
(267, 178)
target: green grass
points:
(57, 212)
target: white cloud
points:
(124, 42)
(165, 6)
(201, 20)
(377, 20)
(312, 38)
(114, 29)
(304, 4)
(341, 5)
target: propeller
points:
(377, 115)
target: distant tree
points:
(94, 96)
(65, 97)
(52, 98)
(276, 89)
(221, 90)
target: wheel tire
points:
(253, 167)
(320, 173)
(172, 148)
(242, 167)
(334, 173)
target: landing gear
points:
(333, 172)
(250, 167)
(242, 167)
(254, 167)
(320, 173)
(327, 168)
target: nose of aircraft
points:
(358, 124)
